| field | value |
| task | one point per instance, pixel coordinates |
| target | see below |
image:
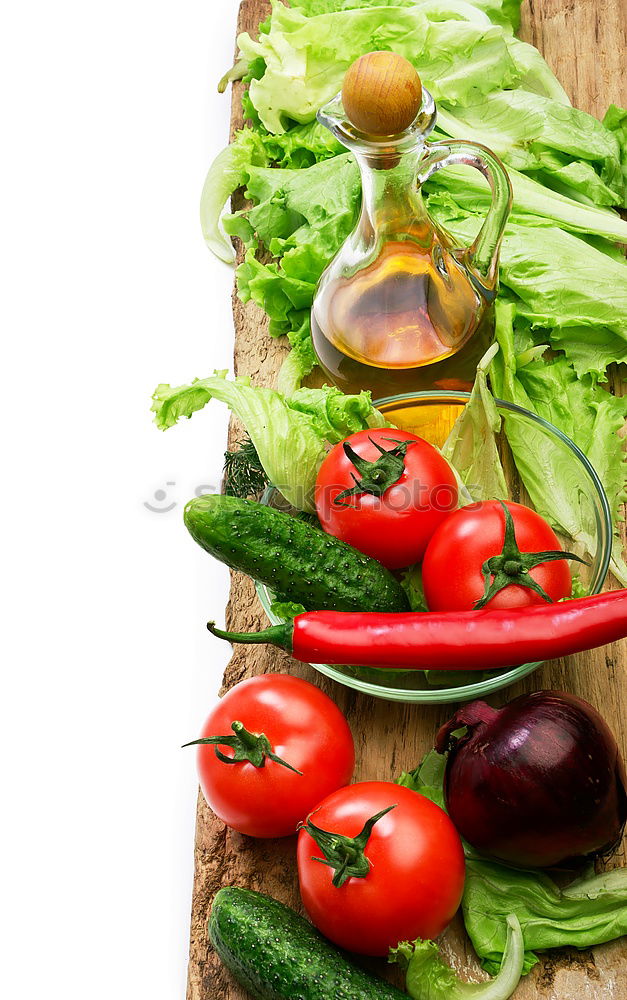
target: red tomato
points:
(451, 570)
(304, 728)
(415, 870)
(395, 527)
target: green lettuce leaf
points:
(228, 171)
(535, 74)
(287, 301)
(530, 198)
(579, 177)
(427, 778)
(428, 977)
(300, 361)
(588, 912)
(316, 206)
(471, 446)
(584, 411)
(506, 12)
(590, 351)
(255, 70)
(306, 57)
(287, 610)
(616, 122)
(282, 296)
(411, 582)
(560, 280)
(311, 8)
(290, 436)
(510, 118)
(301, 146)
(563, 281)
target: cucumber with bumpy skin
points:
(276, 955)
(292, 557)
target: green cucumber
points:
(296, 560)
(276, 955)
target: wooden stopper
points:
(382, 93)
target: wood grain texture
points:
(585, 44)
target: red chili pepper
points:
(448, 640)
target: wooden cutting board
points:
(585, 44)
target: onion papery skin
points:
(536, 783)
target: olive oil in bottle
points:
(401, 323)
(402, 306)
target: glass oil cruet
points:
(401, 307)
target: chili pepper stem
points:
(277, 635)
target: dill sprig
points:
(244, 475)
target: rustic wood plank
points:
(585, 44)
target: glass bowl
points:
(431, 415)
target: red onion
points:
(535, 783)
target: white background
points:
(110, 119)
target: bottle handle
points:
(483, 255)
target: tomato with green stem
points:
(385, 492)
(270, 750)
(379, 864)
(497, 555)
